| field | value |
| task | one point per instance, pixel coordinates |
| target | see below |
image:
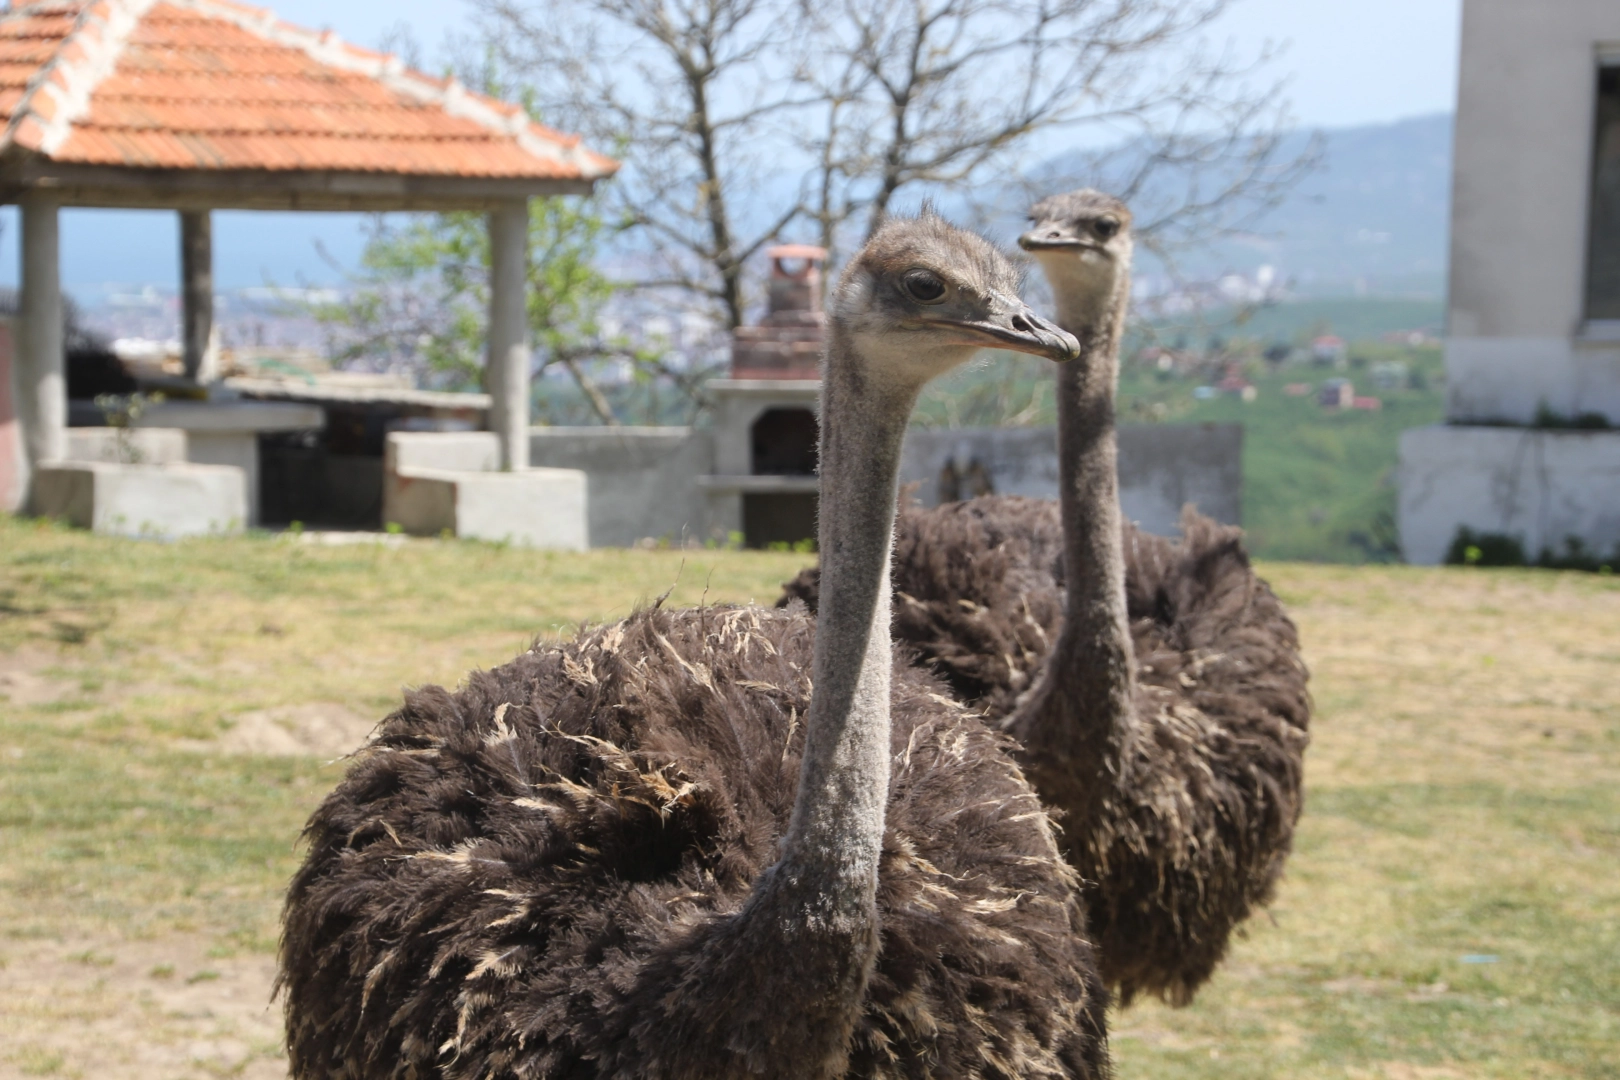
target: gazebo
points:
(197, 105)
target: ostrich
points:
(1168, 715)
(721, 842)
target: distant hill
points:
(1372, 220)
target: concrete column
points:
(13, 462)
(508, 363)
(41, 381)
(197, 295)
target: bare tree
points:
(689, 90)
(716, 102)
(1202, 159)
(954, 86)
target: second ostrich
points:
(721, 842)
(1156, 687)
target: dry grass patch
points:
(1452, 909)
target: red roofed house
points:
(194, 105)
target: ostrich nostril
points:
(1053, 234)
(1021, 324)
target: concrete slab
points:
(438, 482)
(541, 508)
(238, 415)
(158, 501)
(1539, 485)
(227, 432)
(455, 451)
(138, 446)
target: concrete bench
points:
(226, 432)
(437, 482)
(165, 501)
(139, 483)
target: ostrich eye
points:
(1106, 228)
(924, 286)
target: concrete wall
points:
(1516, 336)
(1161, 467)
(659, 483)
(1541, 486)
(643, 482)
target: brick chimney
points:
(787, 343)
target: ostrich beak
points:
(1014, 326)
(1049, 236)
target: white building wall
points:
(1516, 338)
(1518, 342)
(1541, 487)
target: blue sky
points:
(1347, 63)
(1350, 62)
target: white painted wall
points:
(1523, 162)
(1540, 486)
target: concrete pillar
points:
(41, 381)
(507, 375)
(13, 463)
(197, 296)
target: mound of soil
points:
(319, 729)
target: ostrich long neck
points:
(1074, 725)
(837, 825)
(808, 937)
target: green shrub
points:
(1470, 548)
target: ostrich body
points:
(1155, 687)
(722, 842)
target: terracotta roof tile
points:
(210, 84)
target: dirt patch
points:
(22, 681)
(143, 1010)
(1400, 1070)
(321, 729)
(1357, 984)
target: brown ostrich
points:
(722, 842)
(1157, 689)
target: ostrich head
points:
(1082, 240)
(923, 296)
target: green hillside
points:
(1351, 319)
(1318, 484)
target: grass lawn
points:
(1452, 909)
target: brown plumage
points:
(1202, 820)
(515, 877)
(654, 852)
(977, 593)
(1186, 830)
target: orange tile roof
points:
(211, 84)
